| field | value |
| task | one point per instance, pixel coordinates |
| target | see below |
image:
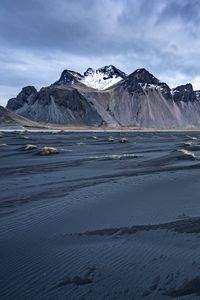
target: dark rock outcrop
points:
(68, 77)
(141, 79)
(143, 76)
(109, 72)
(26, 96)
(184, 93)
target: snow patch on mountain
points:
(102, 78)
(97, 81)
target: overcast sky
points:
(40, 38)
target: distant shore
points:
(60, 128)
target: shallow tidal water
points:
(110, 216)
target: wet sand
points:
(100, 219)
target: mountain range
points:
(109, 97)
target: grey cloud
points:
(40, 37)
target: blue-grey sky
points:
(40, 38)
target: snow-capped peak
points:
(102, 78)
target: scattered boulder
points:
(123, 140)
(185, 154)
(193, 138)
(110, 139)
(48, 151)
(192, 147)
(61, 132)
(30, 147)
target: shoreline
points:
(101, 130)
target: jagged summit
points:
(89, 71)
(144, 76)
(102, 78)
(68, 77)
(184, 93)
(111, 71)
(107, 71)
(141, 80)
(99, 79)
(184, 87)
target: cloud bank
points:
(40, 38)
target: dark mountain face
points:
(89, 71)
(141, 80)
(27, 95)
(108, 96)
(144, 77)
(68, 77)
(56, 105)
(184, 93)
(111, 71)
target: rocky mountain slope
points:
(12, 120)
(55, 105)
(109, 96)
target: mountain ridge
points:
(110, 97)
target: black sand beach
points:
(108, 216)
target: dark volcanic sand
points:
(101, 219)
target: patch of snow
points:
(148, 85)
(98, 80)
(173, 92)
